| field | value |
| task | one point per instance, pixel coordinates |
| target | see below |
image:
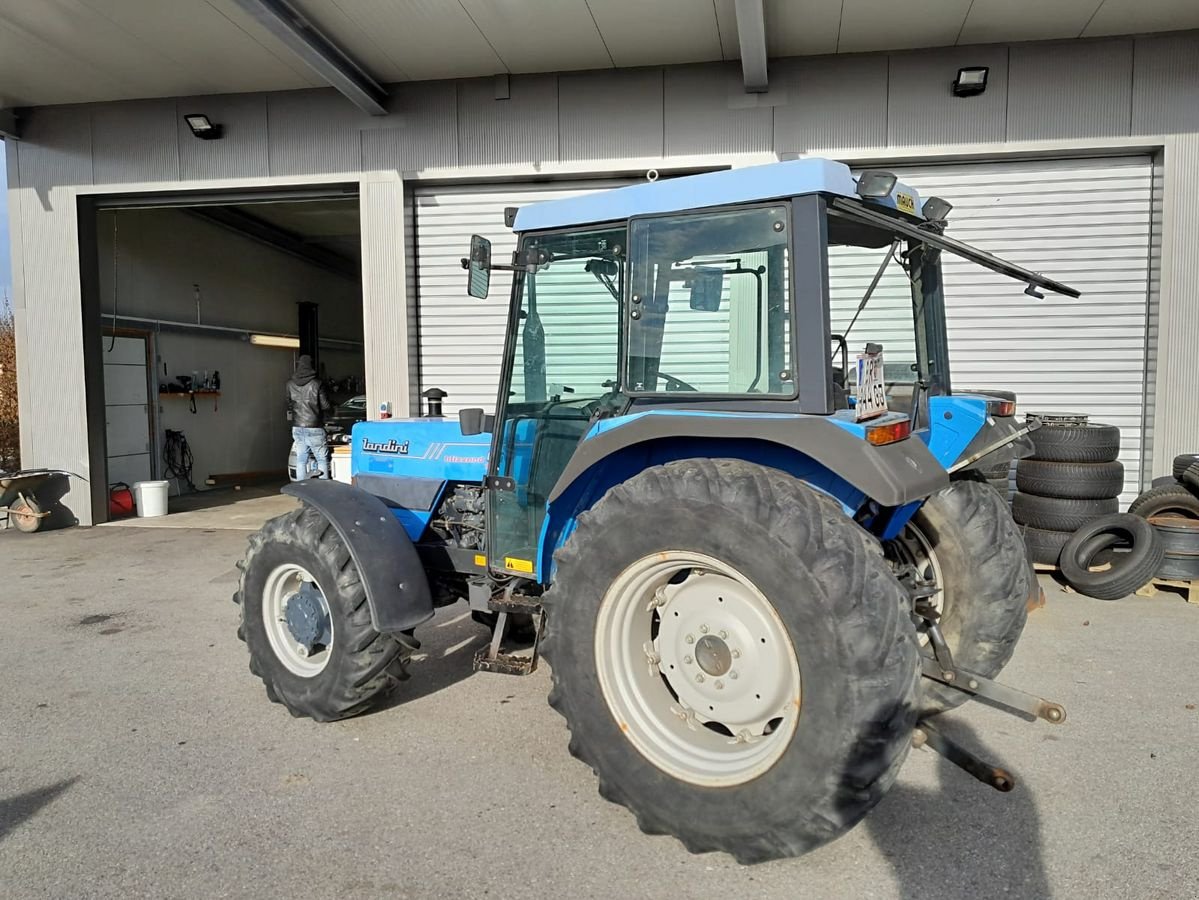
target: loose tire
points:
(1055, 514)
(1168, 500)
(1129, 570)
(796, 582)
(357, 666)
(1070, 481)
(1076, 443)
(1182, 462)
(965, 539)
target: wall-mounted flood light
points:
(203, 127)
(971, 81)
(875, 183)
(275, 340)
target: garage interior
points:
(204, 309)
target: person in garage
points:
(307, 406)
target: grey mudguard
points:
(892, 475)
(996, 429)
(396, 587)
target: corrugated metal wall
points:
(1084, 94)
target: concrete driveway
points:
(138, 757)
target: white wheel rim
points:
(697, 668)
(281, 585)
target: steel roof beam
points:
(304, 38)
(751, 35)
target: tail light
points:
(889, 433)
(998, 407)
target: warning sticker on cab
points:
(905, 202)
(518, 565)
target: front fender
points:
(397, 589)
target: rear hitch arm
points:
(941, 667)
(927, 735)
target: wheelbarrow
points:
(18, 497)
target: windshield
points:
(354, 404)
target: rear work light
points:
(889, 433)
(998, 407)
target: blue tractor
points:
(759, 562)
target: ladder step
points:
(504, 663)
(515, 603)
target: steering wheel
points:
(676, 384)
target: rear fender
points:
(397, 589)
(570, 498)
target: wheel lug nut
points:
(687, 660)
(736, 653)
(733, 675)
(703, 629)
(699, 679)
(690, 639)
(724, 635)
(720, 685)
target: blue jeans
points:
(305, 441)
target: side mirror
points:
(474, 421)
(478, 267)
(707, 287)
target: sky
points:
(5, 267)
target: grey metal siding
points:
(1048, 99)
(521, 128)
(838, 101)
(1165, 84)
(701, 115)
(921, 110)
(422, 132)
(314, 133)
(607, 115)
(135, 141)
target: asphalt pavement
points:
(139, 757)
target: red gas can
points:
(120, 501)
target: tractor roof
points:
(748, 185)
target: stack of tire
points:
(1071, 479)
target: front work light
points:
(936, 209)
(970, 81)
(875, 183)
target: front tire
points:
(769, 579)
(321, 659)
(964, 539)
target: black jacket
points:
(307, 402)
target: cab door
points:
(560, 374)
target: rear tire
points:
(24, 515)
(978, 558)
(772, 544)
(358, 666)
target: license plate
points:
(905, 202)
(871, 390)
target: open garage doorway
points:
(198, 312)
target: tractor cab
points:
(792, 289)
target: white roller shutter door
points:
(462, 339)
(1085, 222)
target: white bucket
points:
(151, 498)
